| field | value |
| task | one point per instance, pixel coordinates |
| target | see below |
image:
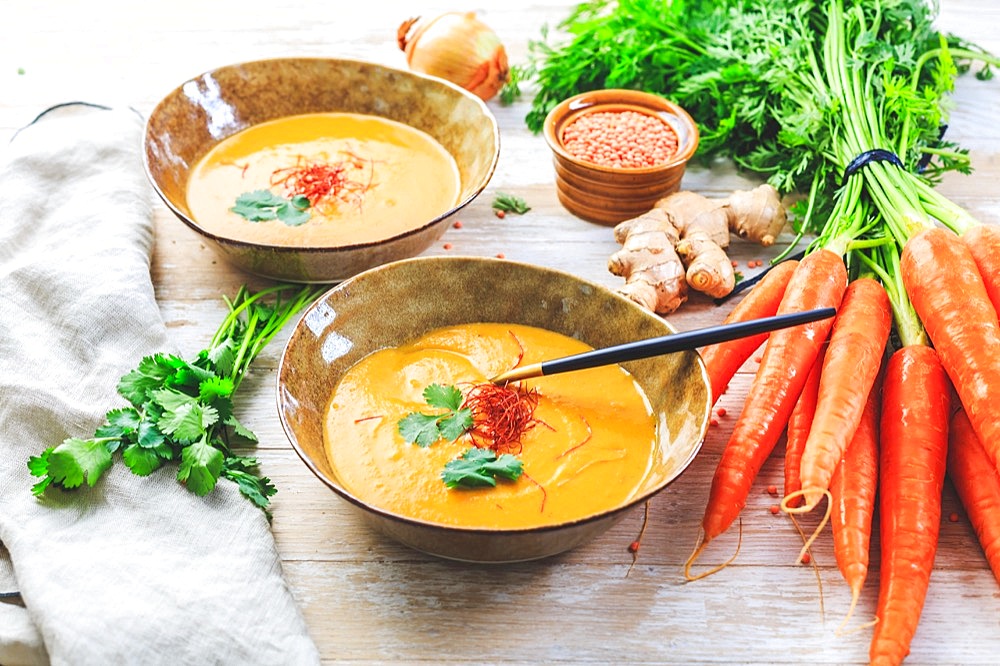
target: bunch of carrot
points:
(871, 419)
(861, 412)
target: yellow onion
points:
(457, 47)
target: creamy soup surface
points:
(591, 451)
(368, 178)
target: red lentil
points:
(775, 509)
(501, 255)
(447, 246)
(953, 517)
(806, 558)
(620, 139)
(501, 214)
(721, 411)
(772, 490)
(713, 421)
(458, 224)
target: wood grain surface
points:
(369, 600)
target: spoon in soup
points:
(665, 344)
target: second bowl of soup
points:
(313, 170)
(394, 408)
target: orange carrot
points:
(852, 496)
(948, 293)
(914, 449)
(818, 281)
(978, 485)
(852, 361)
(983, 242)
(799, 422)
(724, 359)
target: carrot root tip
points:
(700, 548)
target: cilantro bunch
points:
(182, 411)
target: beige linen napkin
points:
(135, 570)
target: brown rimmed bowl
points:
(608, 195)
(203, 111)
(352, 320)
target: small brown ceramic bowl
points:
(609, 195)
(201, 112)
(351, 320)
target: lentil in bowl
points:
(617, 164)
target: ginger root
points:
(682, 242)
(654, 272)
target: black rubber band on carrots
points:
(866, 158)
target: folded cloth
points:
(135, 570)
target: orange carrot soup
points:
(538, 452)
(322, 179)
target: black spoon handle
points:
(666, 344)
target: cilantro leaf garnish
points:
(509, 203)
(182, 410)
(265, 205)
(480, 468)
(425, 429)
(420, 429)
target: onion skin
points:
(457, 47)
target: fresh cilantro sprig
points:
(264, 205)
(425, 429)
(509, 203)
(182, 411)
(480, 468)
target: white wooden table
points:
(369, 600)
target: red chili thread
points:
(501, 415)
(327, 182)
(368, 418)
(590, 434)
(520, 350)
(545, 495)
